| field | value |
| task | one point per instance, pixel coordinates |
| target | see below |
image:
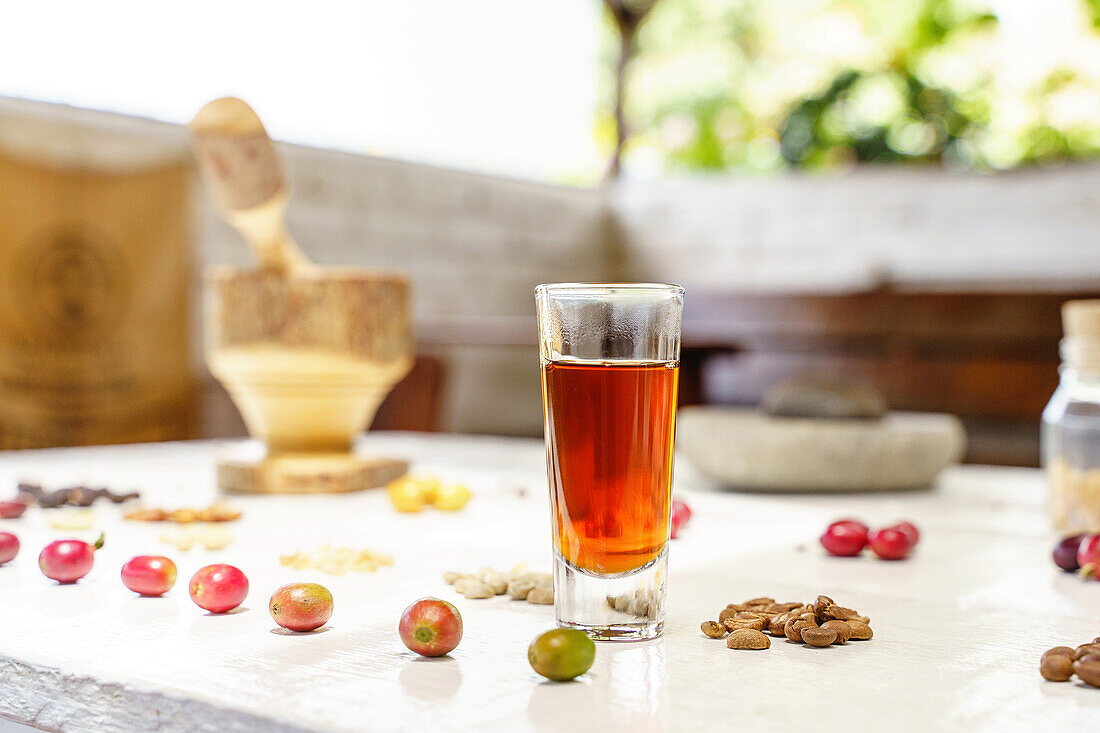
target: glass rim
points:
(604, 289)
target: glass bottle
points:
(1071, 423)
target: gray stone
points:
(825, 397)
(747, 449)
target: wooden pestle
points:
(307, 353)
(241, 166)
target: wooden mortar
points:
(308, 359)
(307, 353)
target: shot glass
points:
(610, 364)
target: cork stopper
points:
(1081, 318)
(1081, 346)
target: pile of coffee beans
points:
(1062, 662)
(819, 624)
(70, 495)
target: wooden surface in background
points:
(95, 270)
(990, 358)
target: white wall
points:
(496, 86)
(917, 228)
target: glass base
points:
(625, 607)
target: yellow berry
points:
(429, 487)
(452, 497)
(406, 495)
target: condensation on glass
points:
(610, 368)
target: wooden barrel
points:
(95, 268)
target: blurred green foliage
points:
(768, 84)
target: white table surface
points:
(959, 627)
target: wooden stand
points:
(308, 473)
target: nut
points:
(861, 619)
(762, 601)
(818, 636)
(1056, 667)
(860, 630)
(842, 629)
(1088, 672)
(793, 628)
(450, 577)
(1091, 648)
(756, 624)
(747, 639)
(713, 629)
(541, 594)
(775, 626)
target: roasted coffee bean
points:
(713, 629)
(860, 631)
(52, 499)
(1088, 672)
(842, 629)
(839, 613)
(747, 639)
(1056, 668)
(753, 614)
(818, 636)
(753, 623)
(756, 624)
(82, 496)
(1063, 651)
(793, 628)
(828, 623)
(1091, 648)
(821, 604)
(781, 607)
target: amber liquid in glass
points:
(609, 437)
